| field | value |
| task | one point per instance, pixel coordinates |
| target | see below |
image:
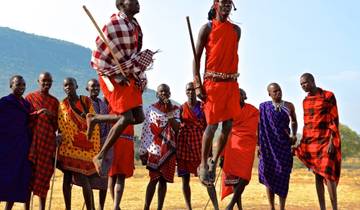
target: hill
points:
(28, 55)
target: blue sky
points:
(280, 41)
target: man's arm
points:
(200, 45)
(294, 124)
(238, 31)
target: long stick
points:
(53, 178)
(104, 39)
(191, 37)
(207, 203)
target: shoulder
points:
(263, 104)
(205, 29)
(251, 107)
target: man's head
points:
(93, 88)
(45, 82)
(70, 86)
(190, 92)
(129, 7)
(163, 93)
(243, 96)
(275, 92)
(220, 7)
(17, 85)
(307, 82)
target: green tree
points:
(350, 142)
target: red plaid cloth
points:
(43, 145)
(125, 39)
(321, 120)
(188, 145)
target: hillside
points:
(29, 54)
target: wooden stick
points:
(191, 37)
(104, 39)
(53, 178)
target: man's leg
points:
(212, 194)
(226, 128)
(331, 186)
(161, 193)
(102, 198)
(282, 202)
(320, 191)
(124, 120)
(9, 205)
(205, 150)
(67, 189)
(87, 191)
(271, 198)
(42, 203)
(238, 190)
(186, 190)
(150, 190)
(118, 190)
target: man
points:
(157, 148)
(43, 146)
(76, 151)
(188, 145)
(220, 88)
(320, 146)
(15, 168)
(239, 152)
(125, 37)
(275, 141)
(100, 107)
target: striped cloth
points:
(43, 144)
(321, 121)
(275, 161)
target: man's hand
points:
(58, 140)
(200, 93)
(144, 158)
(331, 148)
(293, 139)
(221, 161)
(120, 79)
(43, 111)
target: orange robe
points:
(222, 98)
(239, 152)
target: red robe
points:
(239, 152)
(222, 98)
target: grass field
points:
(302, 194)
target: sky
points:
(280, 41)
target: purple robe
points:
(275, 161)
(15, 139)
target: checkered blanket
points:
(321, 121)
(125, 40)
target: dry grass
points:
(302, 194)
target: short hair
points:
(118, 3)
(272, 84)
(71, 79)
(93, 79)
(308, 76)
(17, 76)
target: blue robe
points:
(15, 139)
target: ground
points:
(302, 194)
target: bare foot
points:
(98, 165)
(203, 176)
(90, 124)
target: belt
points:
(220, 77)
